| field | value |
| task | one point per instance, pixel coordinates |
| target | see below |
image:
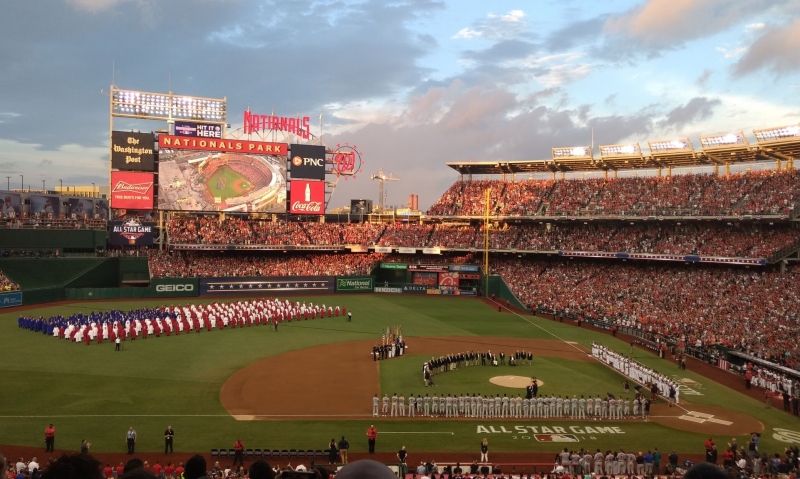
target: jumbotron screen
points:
(195, 180)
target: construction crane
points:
(381, 178)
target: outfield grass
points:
(92, 392)
(230, 177)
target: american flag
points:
(723, 364)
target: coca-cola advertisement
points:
(132, 190)
(307, 197)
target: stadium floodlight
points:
(778, 134)
(682, 145)
(572, 152)
(632, 150)
(167, 106)
(726, 141)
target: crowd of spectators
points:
(233, 230)
(183, 264)
(751, 193)
(751, 310)
(6, 284)
(707, 239)
(45, 222)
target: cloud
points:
(752, 27)
(667, 24)
(777, 50)
(702, 80)
(698, 108)
(731, 53)
(496, 27)
(94, 5)
(45, 163)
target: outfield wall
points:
(54, 239)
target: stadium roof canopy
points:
(772, 144)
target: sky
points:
(413, 83)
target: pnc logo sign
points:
(301, 161)
(169, 288)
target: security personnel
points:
(131, 440)
(169, 435)
(372, 435)
(238, 448)
(49, 438)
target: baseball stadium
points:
(627, 317)
(199, 181)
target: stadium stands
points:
(704, 305)
(6, 284)
(752, 193)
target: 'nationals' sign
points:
(234, 146)
(254, 122)
(132, 190)
(307, 197)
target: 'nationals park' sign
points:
(234, 146)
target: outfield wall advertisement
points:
(9, 300)
(130, 233)
(267, 285)
(132, 151)
(171, 287)
(354, 284)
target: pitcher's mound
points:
(514, 381)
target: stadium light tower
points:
(165, 107)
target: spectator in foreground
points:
(74, 466)
(365, 469)
(705, 470)
(261, 470)
(195, 467)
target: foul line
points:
(185, 415)
(572, 344)
(417, 432)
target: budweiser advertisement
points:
(307, 197)
(132, 190)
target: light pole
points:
(93, 187)
(43, 188)
(22, 182)
(61, 189)
(8, 178)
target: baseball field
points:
(314, 380)
(226, 183)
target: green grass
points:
(228, 191)
(92, 392)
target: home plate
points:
(719, 421)
(700, 414)
(693, 419)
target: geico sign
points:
(168, 288)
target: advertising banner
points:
(467, 292)
(415, 289)
(81, 207)
(469, 276)
(357, 248)
(449, 280)
(439, 268)
(191, 180)
(433, 291)
(9, 300)
(307, 162)
(172, 287)
(231, 146)
(394, 266)
(432, 250)
(12, 205)
(407, 250)
(267, 285)
(131, 233)
(386, 289)
(383, 249)
(45, 205)
(197, 130)
(424, 278)
(133, 151)
(464, 267)
(354, 284)
(307, 197)
(132, 190)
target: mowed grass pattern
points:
(230, 177)
(92, 392)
